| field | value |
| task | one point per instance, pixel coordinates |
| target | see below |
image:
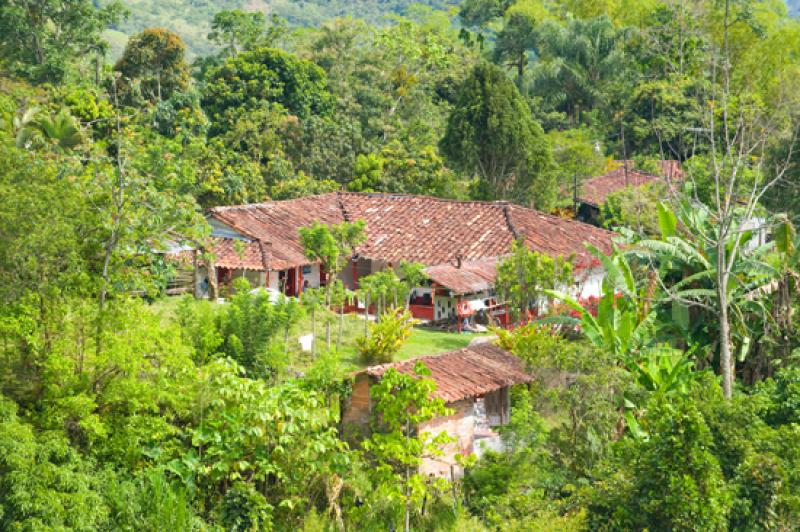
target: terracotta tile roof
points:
(468, 372)
(235, 253)
(560, 237)
(420, 229)
(595, 190)
(277, 222)
(428, 230)
(471, 277)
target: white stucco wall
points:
(311, 274)
(589, 283)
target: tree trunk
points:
(328, 331)
(213, 285)
(366, 315)
(313, 332)
(725, 355)
(341, 327)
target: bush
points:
(386, 337)
(671, 481)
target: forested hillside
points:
(667, 400)
(192, 20)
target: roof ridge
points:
(403, 195)
(223, 208)
(390, 365)
(507, 215)
(341, 206)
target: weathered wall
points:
(356, 410)
(461, 426)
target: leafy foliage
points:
(491, 135)
(385, 337)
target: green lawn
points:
(423, 341)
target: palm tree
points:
(577, 62)
(60, 131)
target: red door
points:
(291, 282)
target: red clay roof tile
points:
(595, 190)
(412, 228)
(468, 372)
(471, 277)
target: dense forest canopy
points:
(122, 408)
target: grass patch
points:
(423, 340)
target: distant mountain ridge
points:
(191, 18)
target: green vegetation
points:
(670, 402)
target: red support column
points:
(458, 314)
(299, 280)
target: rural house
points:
(474, 382)
(458, 241)
(594, 191)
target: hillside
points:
(191, 18)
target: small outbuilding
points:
(474, 382)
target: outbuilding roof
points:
(596, 189)
(469, 372)
(420, 229)
(467, 278)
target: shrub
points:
(386, 337)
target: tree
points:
(367, 174)
(42, 39)
(397, 446)
(634, 208)
(577, 157)
(737, 129)
(690, 265)
(332, 247)
(491, 134)
(152, 66)
(382, 288)
(523, 277)
(235, 30)
(252, 79)
(480, 12)
(674, 482)
(61, 132)
(257, 448)
(518, 36)
(657, 115)
(250, 329)
(313, 299)
(578, 63)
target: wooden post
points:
(196, 276)
(458, 315)
(433, 299)
(213, 287)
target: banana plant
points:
(686, 260)
(624, 324)
(663, 372)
